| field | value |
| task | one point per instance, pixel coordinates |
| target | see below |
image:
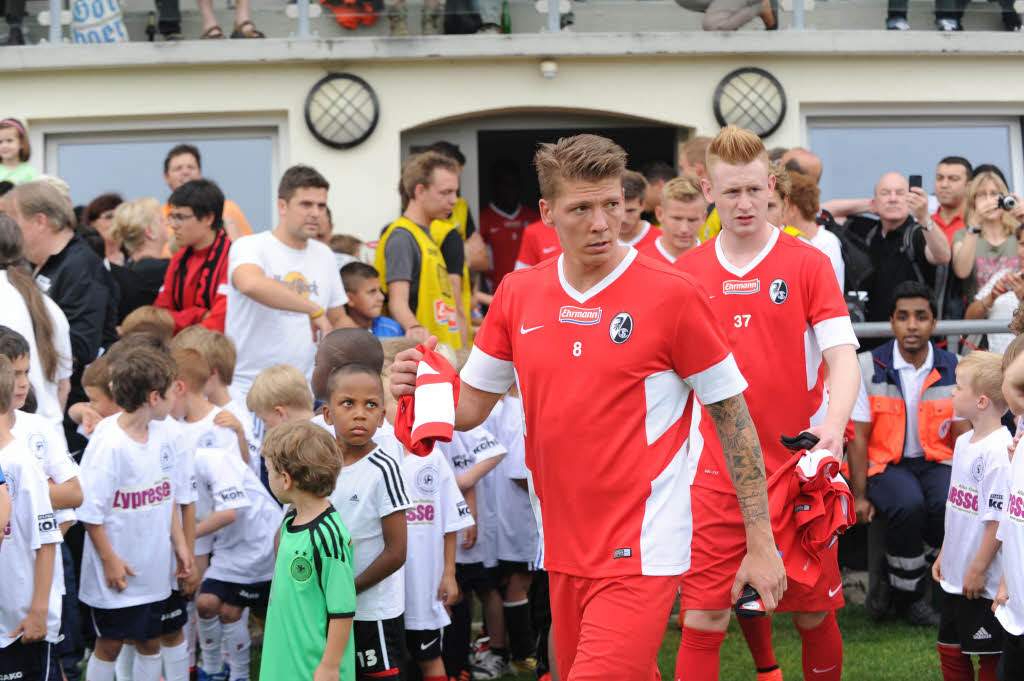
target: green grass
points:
(890, 651)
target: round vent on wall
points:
(342, 110)
(751, 98)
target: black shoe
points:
(16, 36)
(879, 599)
(919, 613)
(1011, 21)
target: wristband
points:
(316, 315)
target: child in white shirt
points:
(371, 498)
(133, 476)
(31, 596)
(969, 565)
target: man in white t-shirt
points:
(803, 214)
(284, 290)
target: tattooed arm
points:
(762, 566)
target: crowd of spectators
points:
(83, 277)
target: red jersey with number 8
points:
(779, 313)
(608, 379)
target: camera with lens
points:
(1007, 202)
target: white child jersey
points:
(368, 490)
(32, 525)
(465, 451)
(15, 315)
(47, 443)
(265, 335)
(517, 528)
(243, 552)
(383, 438)
(205, 434)
(437, 507)
(131, 489)
(977, 492)
(1011, 533)
(247, 419)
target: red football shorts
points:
(718, 546)
(609, 627)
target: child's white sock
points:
(125, 660)
(190, 632)
(209, 643)
(146, 667)
(236, 635)
(98, 670)
(175, 659)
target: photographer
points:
(987, 245)
(1000, 297)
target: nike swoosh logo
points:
(548, 250)
(833, 592)
(424, 646)
(523, 330)
(822, 671)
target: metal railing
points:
(952, 329)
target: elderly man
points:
(899, 247)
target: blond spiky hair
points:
(736, 146)
(685, 188)
(582, 157)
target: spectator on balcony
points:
(139, 226)
(398, 17)
(244, 28)
(948, 15)
(898, 246)
(986, 245)
(182, 164)
(99, 214)
(15, 151)
(729, 15)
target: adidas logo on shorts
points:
(981, 635)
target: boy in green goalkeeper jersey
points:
(313, 595)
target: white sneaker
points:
(490, 665)
(897, 24)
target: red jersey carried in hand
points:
(540, 242)
(503, 234)
(779, 313)
(647, 235)
(608, 379)
(654, 249)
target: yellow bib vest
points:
(435, 305)
(711, 227)
(438, 231)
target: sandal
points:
(212, 33)
(247, 29)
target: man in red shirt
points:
(609, 377)
(195, 286)
(503, 221)
(952, 177)
(540, 242)
(636, 231)
(779, 303)
(680, 213)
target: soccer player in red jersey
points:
(636, 231)
(609, 377)
(540, 242)
(780, 305)
(681, 213)
(503, 221)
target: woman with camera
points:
(987, 244)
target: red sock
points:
(955, 665)
(435, 678)
(698, 655)
(822, 650)
(987, 667)
(758, 632)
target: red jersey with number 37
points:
(780, 312)
(608, 379)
